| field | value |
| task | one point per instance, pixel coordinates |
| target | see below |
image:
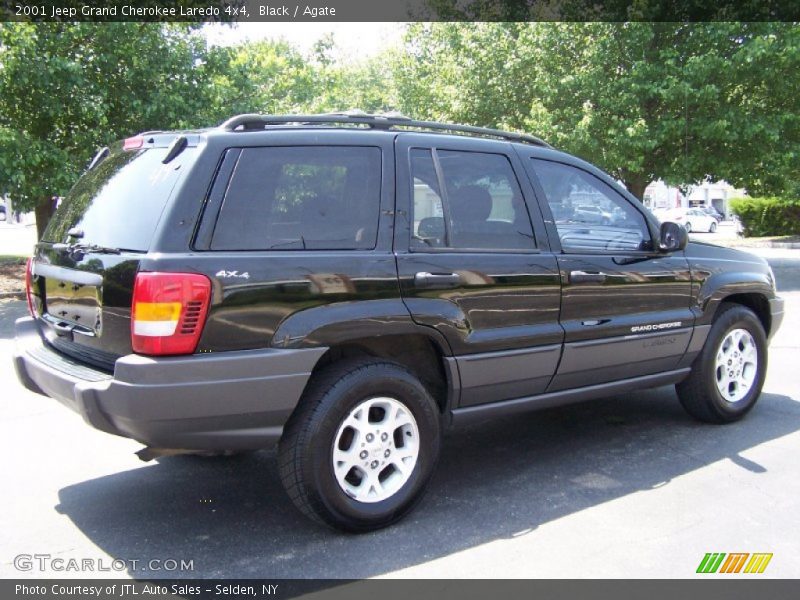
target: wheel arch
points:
(419, 352)
(755, 301)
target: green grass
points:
(12, 259)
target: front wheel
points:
(713, 227)
(688, 227)
(360, 449)
(727, 377)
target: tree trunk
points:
(44, 210)
(636, 186)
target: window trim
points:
(434, 151)
(212, 202)
(550, 222)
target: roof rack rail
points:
(389, 121)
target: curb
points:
(780, 245)
(784, 245)
(12, 295)
(744, 244)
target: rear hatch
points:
(83, 270)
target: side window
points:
(589, 215)
(482, 207)
(301, 197)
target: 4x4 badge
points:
(223, 274)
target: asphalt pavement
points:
(627, 486)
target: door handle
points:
(587, 277)
(433, 280)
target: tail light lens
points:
(133, 143)
(168, 312)
(29, 286)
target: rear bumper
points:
(228, 401)
(776, 314)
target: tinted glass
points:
(429, 227)
(588, 213)
(483, 209)
(119, 202)
(301, 197)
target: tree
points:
(259, 77)
(67, 89)
(677, 101)
(273, 77)
(364, 84)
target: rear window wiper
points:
(79, 248)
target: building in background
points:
(12, 215)
(660, 196)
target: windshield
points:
(118, 203)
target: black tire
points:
(305, 451)
(713, 227)
(698, 393)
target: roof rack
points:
(389, 121)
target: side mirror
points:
(672, 237)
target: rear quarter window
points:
(301, 197)
(119, 203)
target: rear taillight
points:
(29, 286)
(168, 312)
(133, 143)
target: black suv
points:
(349, 285)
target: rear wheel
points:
(688, 227)
(713, 227)
(362, 446)
(727, 377)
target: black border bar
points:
(711, 587)
(245, 11)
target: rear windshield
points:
(119, 203)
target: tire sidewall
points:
(734, 318)
(336, 404)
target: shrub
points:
(768, 216)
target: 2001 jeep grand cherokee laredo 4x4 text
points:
(346, 285)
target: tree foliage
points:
(768, 216)
(677, 101)
(67, 89)
(259, 77)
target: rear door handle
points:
(587, 277)
(434, 280)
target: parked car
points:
(592, 214)
(693, 219)
(348, 286)
(712, 212)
